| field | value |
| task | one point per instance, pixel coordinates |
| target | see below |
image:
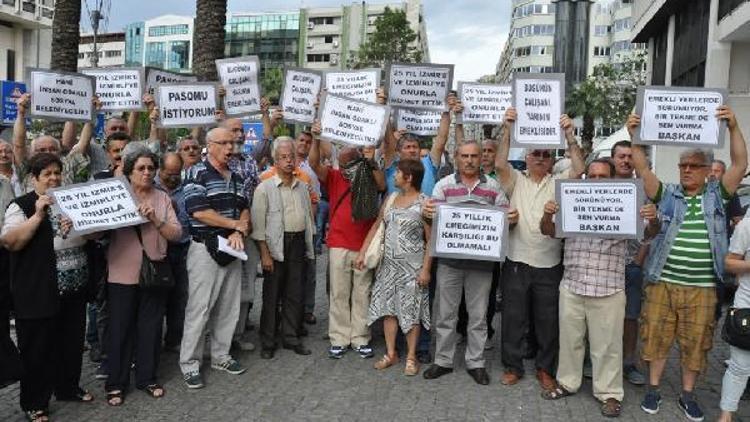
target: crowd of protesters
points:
(566, 304)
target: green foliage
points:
(392, 41)
(271, 84)
(607, 96)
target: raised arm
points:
(460, 135)
(547, 224)
(314, 156)
(438, 145)
(377, 172)
(82, 146)
(651, 183)
(577, 166)
(737, 151)
(19, 130)
(68, 137)
(502, 167)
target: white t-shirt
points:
(740, 245)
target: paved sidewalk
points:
(291, 387)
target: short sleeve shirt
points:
(740, 245)
(206, 188)
(428, 180)
(343, 231)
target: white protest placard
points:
(418, 122)
(357, 84)
(97, 205)
(469, 231)
(299, 95)
(484, 103)
(239, 77)
(539, 99)
(352, 122)
(419, 86)
(187, 105)
(599, 208)
(156, 77)
(680, 116)
(118, 89)
(61, 96)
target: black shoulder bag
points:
(154, 274)
(736, 330)
(212, 241)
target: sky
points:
(468, 33)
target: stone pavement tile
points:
(316, 388)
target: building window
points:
(112, 53)
(179, 55)
(165, 30)
(690, 44)
(602, 51)
(621, 25)
(534, 30)
(317, 58)
(81, 56)
(322, 20)
(533, 9)
(155, 54)
(602, 30)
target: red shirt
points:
(343, 231)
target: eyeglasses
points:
(144, 168)
(691, 166)
(542, 154)
(191, 148)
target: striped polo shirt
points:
(206, 188)
(690, 261)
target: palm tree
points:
(208, 38)
(66, 35)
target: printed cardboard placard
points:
(469, 231)
(539, 99)
(239, 77)
(484, 103)
(187, 105)
(98, 205)
(419, 86)
(356, 84)
(11, 92)
(605, 208)
(418, 122)
(156, 77)
(352, 122)
(61, 96)
(299, 95)
(118, 89)
(680, 116)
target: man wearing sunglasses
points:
(686, 261)
(533, 268)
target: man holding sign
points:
(686, 261)
(463, 276)
(592, 300)
(532, 272)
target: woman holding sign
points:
(400, 294)
(136, 311)
(48, 280)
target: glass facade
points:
(165, 30)
(274, 38)
(134, 44)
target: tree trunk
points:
(208, 38)
(66, 35)
(587, 136)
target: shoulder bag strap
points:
(341, 199)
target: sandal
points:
(556, 393)
(412, 368)
(155, 390)
(37, 416)
(81, 396)
(611, 408)
(385, 362)
(115, 398)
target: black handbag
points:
(154, 274)
(736, 330)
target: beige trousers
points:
(349, 300)
(602, 318)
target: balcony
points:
(28, 13)
(728, 6)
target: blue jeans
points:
(735, 379)
(321, 220)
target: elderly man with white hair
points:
(283, 227)
(217, 208)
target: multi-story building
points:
(530, 44)
(25, 36)
(165, 42)
(701, 43)
(273, 37)
(110, 48)
(330, 37)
